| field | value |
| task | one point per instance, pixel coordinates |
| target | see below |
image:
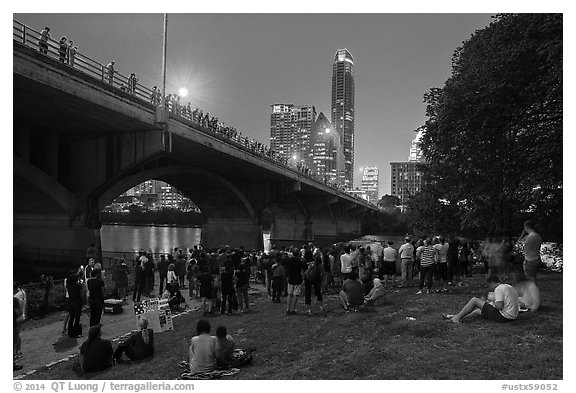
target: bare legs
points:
(473, 307)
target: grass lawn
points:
(373, 343)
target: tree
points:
(389, 201)
(493, 135)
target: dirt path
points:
(44, 345)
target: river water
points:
(122, 238)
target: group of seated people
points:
(355, 293)
(504, 301)
(208, 353)
(502, 304)
(97, 354)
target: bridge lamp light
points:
(183, 92)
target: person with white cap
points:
(376, 293)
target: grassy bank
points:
(374, 343)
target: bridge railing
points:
(70, 56)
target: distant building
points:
(342, 109)
(304, 118)
(415, 150)
(153, 195)
(406, 180)
(370, 183)
(169, 197)
(326, 153)
(282, 129)
(290, 130)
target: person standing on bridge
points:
(132, 81)
(63, 50)
(71, 52)
(43, 42)
(153, 95)
(110, 71)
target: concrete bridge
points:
(79, 142)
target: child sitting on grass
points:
(227, 356)
(224, 347)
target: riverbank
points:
(406, 331)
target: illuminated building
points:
(342, 116)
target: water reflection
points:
(119, 238)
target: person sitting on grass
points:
(367, 284)
(224, 347)
(139, 345)
(176, 301)
(95, 353)
(351, 293)
(227, 356)
(500, 306)
(202, 351)
(528, 292)
(376, 294)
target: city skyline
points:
(235, 72)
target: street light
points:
(183, 92)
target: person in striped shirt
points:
(425, 254)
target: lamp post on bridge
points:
(162, 110)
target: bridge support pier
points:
(289, 231)
(50, 245)
(234, 233)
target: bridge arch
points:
(215, 195)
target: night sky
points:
(236, 65)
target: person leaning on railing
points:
(43, 42)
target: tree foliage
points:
(493, 134)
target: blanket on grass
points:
(240, 358)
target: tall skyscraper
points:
(370, 183)
(415, 150)
(343, 108)
(290, 130)
(326, 153)
(304, 118)
(281, 128)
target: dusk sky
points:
(236, 65)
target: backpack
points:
(311, 272)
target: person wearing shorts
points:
(294, 268)
(501, 306)
(294, 290)
(532, 243)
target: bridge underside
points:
(79, 143)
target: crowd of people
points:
(361, 276)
